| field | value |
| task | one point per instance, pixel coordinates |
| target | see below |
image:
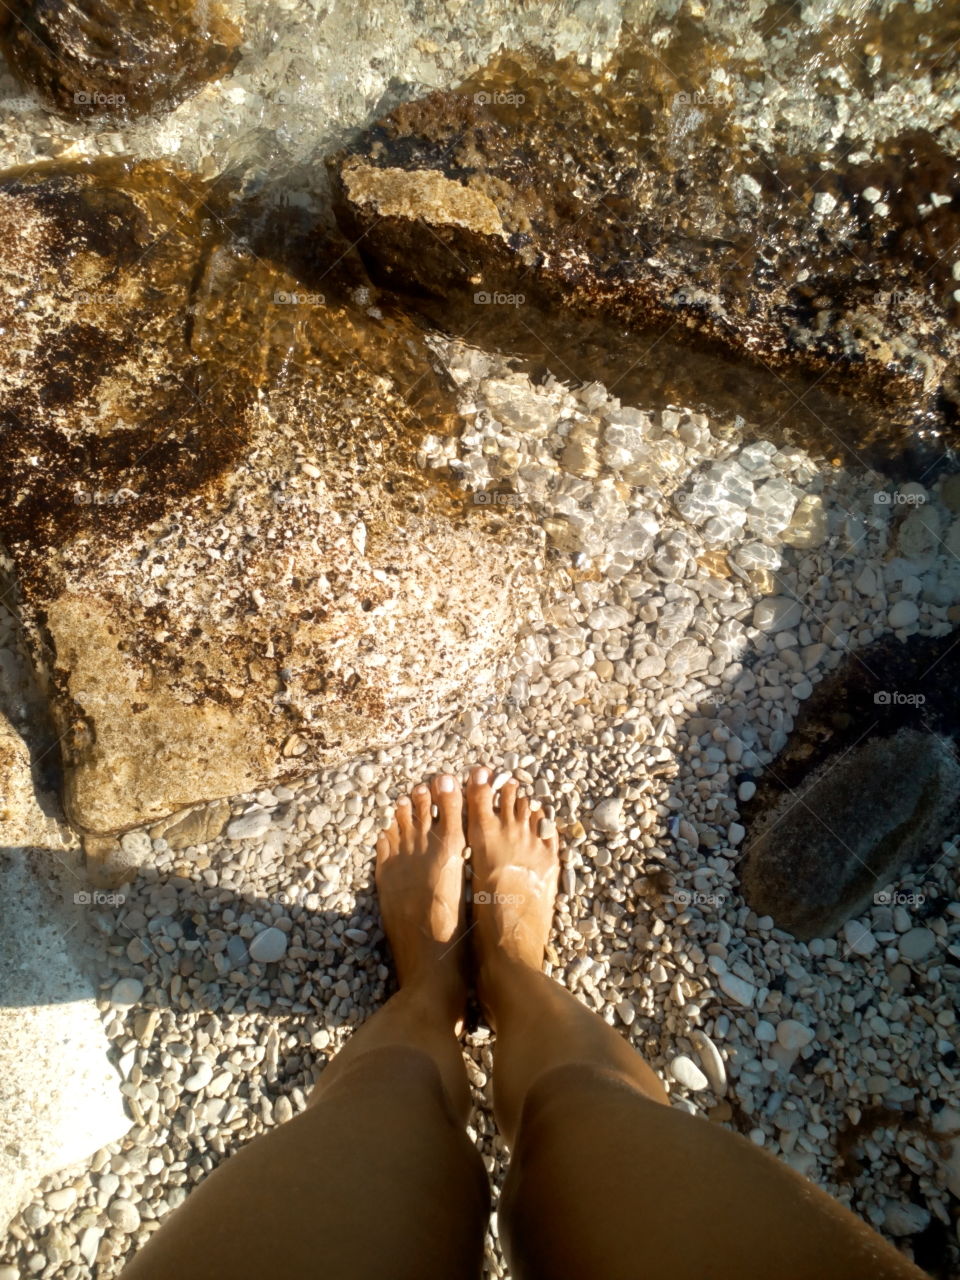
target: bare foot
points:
(420, 884)
(515, 875)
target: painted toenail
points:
(481, 776)
(446, 782)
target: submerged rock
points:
(122, 58)
(231, 566)
(630, 195)
(827, 848)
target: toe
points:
(480, 796)
(404, 822)
(508, 800)
(387, 843)
(449, 801)
(422, 812)
(522, 809)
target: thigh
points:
(375, 1179)
(605, 1182)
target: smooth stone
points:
(905, 1219)
(917, 944)
(777, 613)
(860, 941)
(608, 815)
(249, 826)
(126, 992)
(124, 1215)
(686, 1072)
(903, 614)
(746, 790)
(738, 989)
(60, 1201)
(711, 1061)
(269, 946)
(201, 1076)
(793, 1035)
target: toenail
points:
(403, 800)
(420, 789)
(481, 776)
(446, 782)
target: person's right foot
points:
(515, 873)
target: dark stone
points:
(89, 58)
(866, 784)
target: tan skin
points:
(377, 1178)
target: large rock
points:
(631, 195)
(824, 850)
(90, 58)
(60, 1098)
(231, 566)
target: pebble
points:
(126, 992)
(711, 1061)
(249, 826)
(738, 989)
(917, 944)
(903, 614)
(124, 1215)
(860, 941)
(686, 1072)
(793, 1035)
(777, 613)
(200, 1077)
(269, 946)
(902, 1218)
(607, 816)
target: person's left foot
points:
(420, 883)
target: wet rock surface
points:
(224, 548)
(634, 197)
(91, 59)
(830, 847)
(867, 785)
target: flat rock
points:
(917, 944)
(60, 1097)
(213, 504)
(607, 816)
(686, 1072)
(824, 848)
